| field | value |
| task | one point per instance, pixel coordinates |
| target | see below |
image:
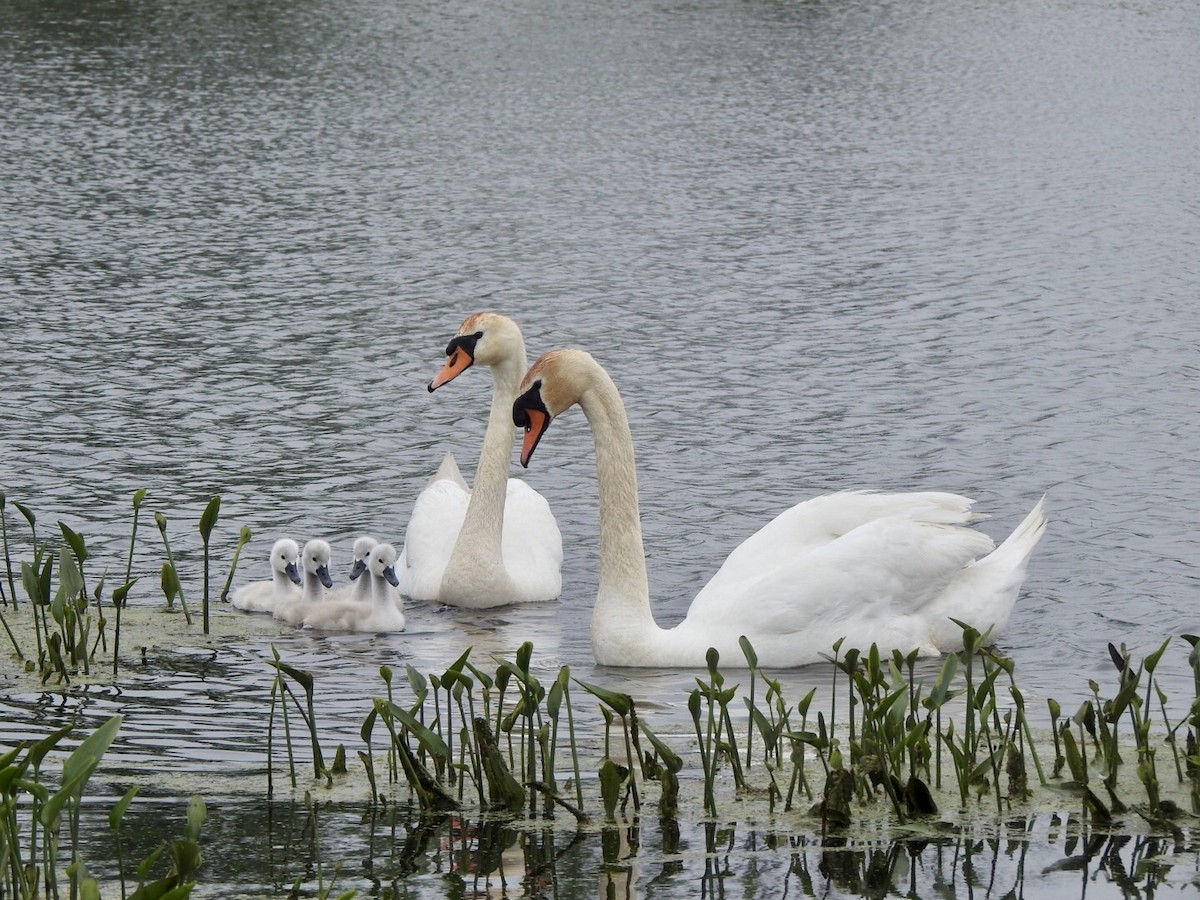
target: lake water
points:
(818, 245)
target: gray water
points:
(818, 245)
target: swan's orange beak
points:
(536, 423)
(530, 413)
(457, 363)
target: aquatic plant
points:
(281, 692)
(885, 739)
(33, 812)
(69, 615)
(171, 585)
(244, 536)
(208, 521)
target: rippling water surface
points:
(818, 245)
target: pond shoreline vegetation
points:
(495, 741)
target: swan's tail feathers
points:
(985, 592)
(448, 471)
(1019, 545)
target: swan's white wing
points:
(531, 543)
(868, 586)
(816, 523)
(433, 528)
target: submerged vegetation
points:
(498, 743)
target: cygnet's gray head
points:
(362, 547)
(284, 556)
(317, 554)
(382, 563)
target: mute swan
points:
(889, 569)
(381, 614)
(496, 543)
(315, 560)
(261, 596)
(359, 589)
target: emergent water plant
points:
(39, 858)
(887, 740)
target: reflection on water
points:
(255, 849)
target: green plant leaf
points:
(670, 758)
(196, 814)
(620, 703)
(117, 813)
(304, 679)
(75, 541)
(368, 726)
(748, 651)
(428, 739)
(70, 580)
(38, 751)
(611, 779)
(122, 592)
(32, 584)
(554, 700)
(1153, 658)
(78, 768)
(27, 513)
(417, 683)
(208, 518)
(169, 580)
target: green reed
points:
(40, 822)
(497, 737)
(244, 536)
(208, 521)
(171, 585)
(69, 613)
(12, 590)
(618, 783)
(281, 691)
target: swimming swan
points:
(315, 560)
(284, 584)
(381, 614)
(889, 569)
(496, 543)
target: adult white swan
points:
(889, 569)
(496, 543)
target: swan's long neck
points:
(381, 595)
(622, 613)
(314, 591)
(481, 532)
(363, 589)
(283, 583)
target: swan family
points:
(896, 569)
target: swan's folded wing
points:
(531, 542)
(865, 586)
(816, 523)
(433, 527)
